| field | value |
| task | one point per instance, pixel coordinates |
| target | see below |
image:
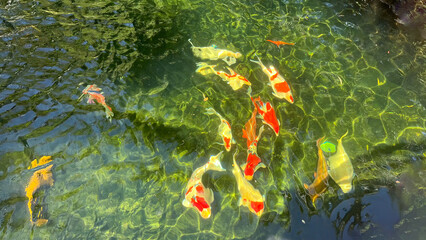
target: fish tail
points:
(108, 111)
(319, 141)
(214, 162)
(211, 111)
(204, 68)
(189, 40)
(344, 135)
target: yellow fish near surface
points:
(319, 185)
(340, 167)
(40, 178)
(235, 80)
(250, 197)
(214, 53)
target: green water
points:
(351, 69)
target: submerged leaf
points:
(328, 147)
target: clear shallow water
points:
(350, 69)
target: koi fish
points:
(320, 183)
(40, 178)
(253, 160)
(250, 197)
(268, 114)
(278, 43)
(224, 129)
(235, 80)
(196, 195)
(340, 167)
(278, 83)
(214, 53)
(94, 94)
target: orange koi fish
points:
(253, 160)
(214, 53)
(40, 178)
(235, 80)
(320, 183)
(94, 94)
(250, 197)
(224, 129)
(278, 83)
(268, 114)
(278, 43)
(196, 195)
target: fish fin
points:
(186, 203)
(232, 72)
(209, 196)
(214, 162)
(240, 201)
(189, 40)
(261, 129)
(249, 91)
(315, 174)
(344, 135)
(204, 68)
(275, 95)
(260, 165)
(243, 166)
(306, 186)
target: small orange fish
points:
(320, 183)
(278, 43)
(94, 94)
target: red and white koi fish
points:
(250, 197)
(234, 80)
(278, 83)
(253, 160)
(94, 94)
(224, 129)
(278, 43)
(196, 195)
(268, 114)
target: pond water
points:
(351, 69)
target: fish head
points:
(257, 207)
(214, 162)
(346, 188)
(238, 55)
(202, 206)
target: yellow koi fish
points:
(40, 178)
(319, 185)
(224, 129)
(235, 80)
(196, 195)
(278, 83)
(340, 167)
(250, 197)
(214, 53)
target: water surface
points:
(351, 69)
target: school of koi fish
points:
(338, 165)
